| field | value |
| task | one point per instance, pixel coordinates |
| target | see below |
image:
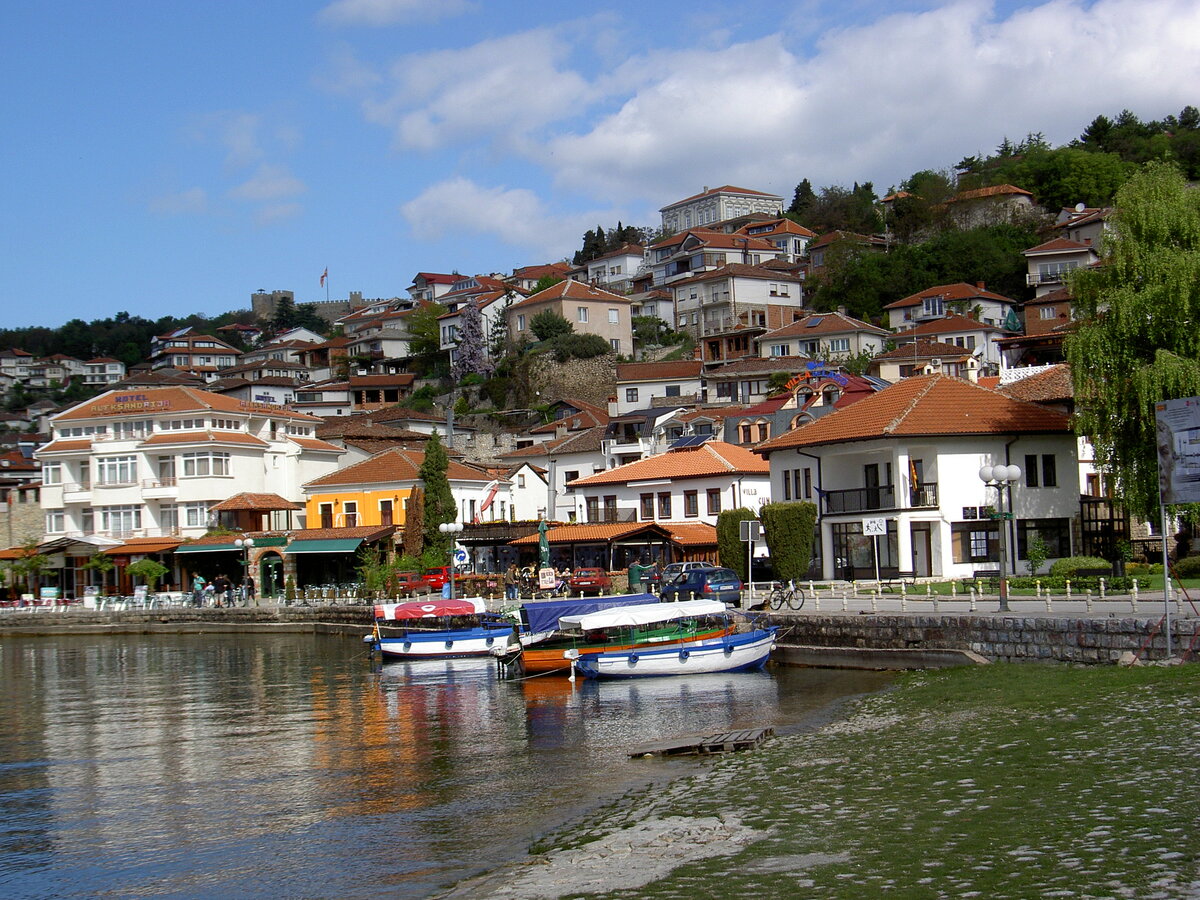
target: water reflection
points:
(229, 765)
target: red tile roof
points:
(705, 461)
(203, 437)
(959, 291)
(398, 464)
(822, 324)
(254, 502)
(1050, 385)
(1059, 245)
(925, 406)
(998, 190)
(571, 290)
(923, 349)
(951, 322)
(314, 444)
(658, 371)
(154, 401)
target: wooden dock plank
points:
(720, 742)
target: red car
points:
(590, 581)
(437, 577)
(410, 583)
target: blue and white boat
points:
(439, 629)
(744, 652)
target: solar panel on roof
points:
(813, 322)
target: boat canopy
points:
(428, 609)
(543, 615)
(643, 615)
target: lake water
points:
(240, 765)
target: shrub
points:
(1065, 568)
(789, 528)
(578, 346)
(1188, 567)
(730, 548)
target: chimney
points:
(980, 285)
(841, 310)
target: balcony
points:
(922, 496)
(159, 488)
(610, 515)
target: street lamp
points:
(1002, 478)
(452, 529)
(246, 545)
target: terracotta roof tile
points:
(165, 400)
(1053, 384)
(925, 406)
(1058, 245)
(692, 534)
(396, 464)
(705, 461)
(247, 501)
(947, 323)
(657, 371)
(203, 437)
(65, 446)
(959, 291)
(998, 190)
(570, 290)
(822, 324)
(923, 349)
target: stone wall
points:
(593, 380)
(998, 638)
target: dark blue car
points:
(710, 583)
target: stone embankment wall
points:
(998, 638)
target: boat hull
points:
(540, 660)
(731, 653)
(452, 644)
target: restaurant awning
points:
(205, 548)
(330, 545)
(135, 547)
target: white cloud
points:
(189, 201)
(516, 216)
(391, 12)
(268, 183)
(277, 212)
(501, 89)
(877, 102)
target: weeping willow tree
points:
(1137, 341)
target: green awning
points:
(335, 545)
(205, 548)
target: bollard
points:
(875, 600)
(1102, 590)
(844, 607)
(1039, 589)
(816, 599)
(1133, 596)
(954, 590)
(1068, 590)
(972, 607)
(1088, 599)
(854, 589)
(934, 598)
(903, 603)
(812, 590)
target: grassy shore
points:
(1000, 781)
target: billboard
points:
(1177, 435)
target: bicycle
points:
(790, 596)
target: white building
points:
(714, 205)
(910, 455)
(640, 385)
(690, 484)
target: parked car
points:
(590, 581)
(672, 571)
(711, 583)
(410, 583)
(437, 577)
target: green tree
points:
(803, 199)
(731, 549)
(548, 324)
(546, 281)
(149, 570)
(1132, 347)
(439, 506)
(789, 533)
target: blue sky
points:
(170, 158)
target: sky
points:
(168, 158)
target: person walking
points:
(248, 591)
(636, 572)
(221, 586)
(512, 578)
(198, 584)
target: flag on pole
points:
(324, 275)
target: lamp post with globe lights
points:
(453, 529)
(1002, 479)
(245, 545)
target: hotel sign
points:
(130, 403)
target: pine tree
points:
(439, 505)
(414, 518)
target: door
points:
(871, 483)
(922, 550)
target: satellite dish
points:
(1080, 207)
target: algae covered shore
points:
(999, 781)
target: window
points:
(615, 343)
(975, 541)
(1055, 532)
(1047, 312)
(839, 345)
(52, 473)
(195, 515)
(744, 431)
(521, 480)
(168, 518)
(647, 504)
(593, 509)
(714, 500)
(568, 477)
(208, 462)
(779, 349)
(1044, 475)
(664, 505)
(123, 431)
(808, 484)
(55, 521)
(614, 317)
(581, 313)
(631, 395)
(120, 519)
(763, 431)
(672, 390)
(116, 470)
(520, 323)
(87, 520)
(351, 513)
(691, 503)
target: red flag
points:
(324, 275)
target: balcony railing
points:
(609, 516)
(875, 498)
